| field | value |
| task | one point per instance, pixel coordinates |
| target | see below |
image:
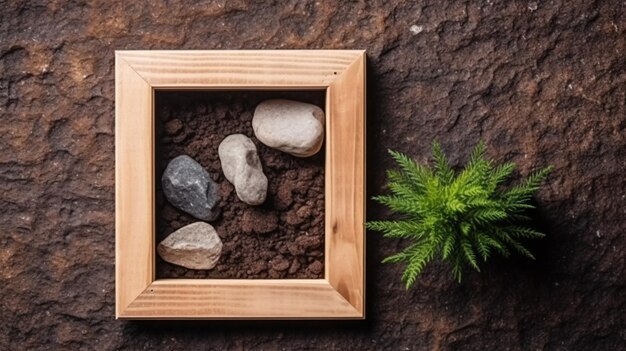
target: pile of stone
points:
(293, 127)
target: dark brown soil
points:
(284, 237)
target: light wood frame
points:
(341, 294)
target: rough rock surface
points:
(290, 126)
(543, 82)
(194, 246)
(242, 167)
(188, 187)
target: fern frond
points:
(399, 257)
(516, 217)
(403, 191)
(484, 216)
(478, 166)
(461, 217)
(420, 255)
(448, 246)
(501, 248)
(400, 177)
(518, 207)
(505, 237)
(473, 192)
(478, 154)
(441, 166)
(482, 245)
(477, 202)
(469, 253)
(523, 232)
(521, 249)
(417, 173)
(500, 174)
(524, 191)
(398, 204)
(457, 268)
(398, 229)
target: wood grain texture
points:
(240, 299)
(134, 185)
(341, 294)
(345, 184)
(248, 69)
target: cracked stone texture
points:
(541, 82)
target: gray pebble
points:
(188, 187)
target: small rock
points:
(293, 127)
(257, 267)
(315, 253)
(180, 137)
(282, 248)
(291, 174)
(274, 274)
(173, 126)
(279, 263)
(258, 221)
(304, 212)
(195, 246)
(316, 267)
(295, 249)
(292, 218)
(226, 189)
(415, 29)
(307, 174)
(308, 241)
(295, 265)
(284, 197)
(242, 167)
(188, 187)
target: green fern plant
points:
(462, 218)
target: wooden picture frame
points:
(341, 294)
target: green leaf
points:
(448, 246)
(478, 154)
(399, 257)
(523, 232)
(417, 256)
(482, 245)
(413, 171)
(460, 217)
(524, 191)
(457, 269)
(501, 248)
(398, 204)
(501, 173)
(483, 216)
(442, 168)
(521, 249)
(505, 237)
(469, 253)
(398, 229)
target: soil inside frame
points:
(284, 237)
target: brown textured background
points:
(541, 82)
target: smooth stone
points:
(188, 187)
(242, 167)
(290, 126)
(195, 246)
